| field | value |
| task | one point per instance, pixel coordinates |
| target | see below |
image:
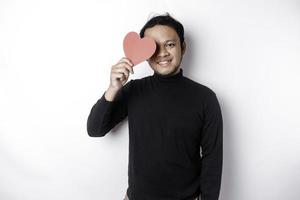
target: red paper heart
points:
(137, 49)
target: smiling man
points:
(169, 49)
(175, 123)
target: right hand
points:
(120, 73)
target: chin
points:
(166, 71)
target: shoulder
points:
(199, 88)
(203, 94)
(139, 81)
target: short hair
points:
(167, 20)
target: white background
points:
(55, 59)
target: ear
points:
(183, 47)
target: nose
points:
(162, 51)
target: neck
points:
(168, 78)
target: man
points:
(170, 118)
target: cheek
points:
(151, 61)
(176, 53)
(178, 56)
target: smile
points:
(164, 63)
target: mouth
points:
(164, 63)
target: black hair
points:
(168, 20)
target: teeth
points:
(164, 62)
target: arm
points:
(212, 150)
(107, 113)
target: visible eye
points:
(171, 44)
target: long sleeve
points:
(212, 150)
(105, 114)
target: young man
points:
(170, 118)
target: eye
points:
(171, 45)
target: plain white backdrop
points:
(55, 60)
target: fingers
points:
(129, 62)
(120, 79)
(118, 75)
(120, 70)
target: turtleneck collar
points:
(168, 78)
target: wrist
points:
(110, 93)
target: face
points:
(167, 58)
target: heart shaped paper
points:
(138, 49)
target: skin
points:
(168, 47)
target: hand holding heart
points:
(120, 73)
(136, 51)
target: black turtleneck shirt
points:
(175, 136)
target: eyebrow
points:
(171, 40)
